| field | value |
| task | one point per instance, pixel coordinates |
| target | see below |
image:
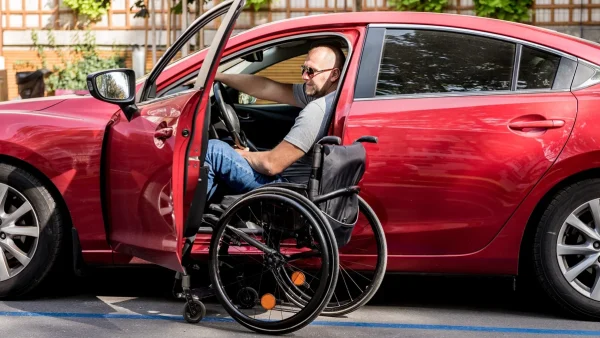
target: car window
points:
(287, 71)
(537, 69)
(428, 61)
(174, 55)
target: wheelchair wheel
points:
(363, 263)
(198, 312)
(284, 230)
(359, 280)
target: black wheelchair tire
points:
(321, 300)
(338, 310)
(365, 297)
(194, 319)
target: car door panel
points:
(449, 171)
(155, 161)
(139, 176)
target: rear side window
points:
(428, 61)
(537, 69)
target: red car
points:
(488, 160)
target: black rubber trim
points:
(194, 219)
(366, 81)
(78, 262)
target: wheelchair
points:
(276, 256)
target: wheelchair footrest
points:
(210, 219)
(217, 208)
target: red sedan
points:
(488, 160)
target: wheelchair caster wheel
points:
(194, 312)
(247, 297)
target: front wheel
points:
(31, 232)
(194, 312)
(566, 250)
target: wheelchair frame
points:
(194, 309)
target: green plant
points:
(177, 9)
(81, 60)
(437, 6)
(510, 10)
(93, 9)
(257, 4)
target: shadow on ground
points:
(488, 294)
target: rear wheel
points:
(31, 233)
(363, 264)
(566, 251)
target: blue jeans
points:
(228, 167)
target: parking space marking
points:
(315, 323)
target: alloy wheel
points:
(19, 232)
(578, 249)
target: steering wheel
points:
(229, 117)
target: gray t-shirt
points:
(310, 126)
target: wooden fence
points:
(24, 15)
(36, 14)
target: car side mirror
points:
(115, 86)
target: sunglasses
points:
(311, 71)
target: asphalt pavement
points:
(138, 303)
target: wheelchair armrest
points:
(330, 140)
(369, 139)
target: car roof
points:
(569, 44)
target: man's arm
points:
(274, 161)
(259, 87)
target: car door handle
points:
(163, 133)
(544, 124)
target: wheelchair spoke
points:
(304, 272)
(352, 279)
(346, 285)
(363, 264)
(358, 273)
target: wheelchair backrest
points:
(342, 166)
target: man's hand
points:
(242, 152)
(272, 162)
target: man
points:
(241, 170)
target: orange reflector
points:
(298, 278)
(267, 301)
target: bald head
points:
(333, 57)
(327, 62)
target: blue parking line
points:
(315, 323)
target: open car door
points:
(155, 179)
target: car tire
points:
(556, 257)
(50, 236)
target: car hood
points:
(35, 104)
(79, 107)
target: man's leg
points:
(228, 167)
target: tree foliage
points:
(510, 10)
(93, 9)
(80, 60)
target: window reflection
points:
(423, 61)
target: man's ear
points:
(335, 75)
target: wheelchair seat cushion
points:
(342, 167)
